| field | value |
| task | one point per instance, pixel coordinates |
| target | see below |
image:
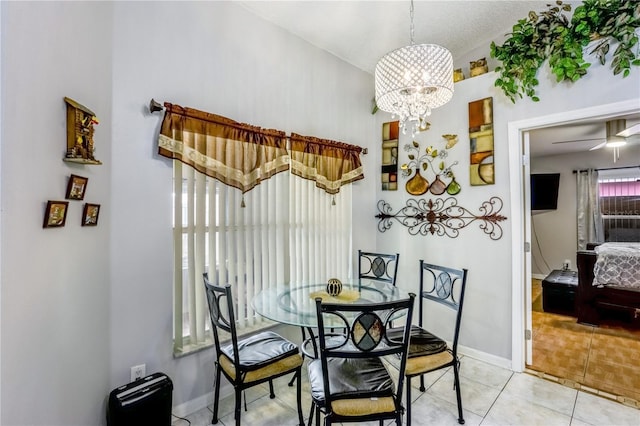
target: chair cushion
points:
(350, 377)
(424, 364)
(422, 342)
(261, 349)
(363, 406)
(276, 368)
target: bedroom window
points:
(620, 208)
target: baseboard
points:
(190, 407)
(538, 276)
(485, 357)
(197, 404)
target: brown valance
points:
(330, 164)
(237, 154)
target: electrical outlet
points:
(566, 265)
(138, 372)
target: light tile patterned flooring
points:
(490, 396)
(605, 358)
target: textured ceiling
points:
(361, 32)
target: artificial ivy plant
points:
(551, 36)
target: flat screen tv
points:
(544, 191)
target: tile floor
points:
(490, 396)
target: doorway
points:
(520, 212)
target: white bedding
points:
(618, 264)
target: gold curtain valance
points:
(237, 154)
(330, 164)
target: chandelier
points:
(413, 80)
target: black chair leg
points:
(311, 414)
(299, 396)
(237, 411)
(216, 397)
(456, 377)
(272, 394)
(422, 388)
(318, 417)
(408, 379)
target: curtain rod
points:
(155, 106)
(610, 168)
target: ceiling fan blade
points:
(629, 131)
(577, 140)
(600, 145)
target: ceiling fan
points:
(617, 135)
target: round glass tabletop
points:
(295, 305)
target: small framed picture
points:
(56, 214)
(76, 187)
(90, 214)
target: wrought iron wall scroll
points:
(442, 217)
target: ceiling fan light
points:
(616, 142)
(613, 128)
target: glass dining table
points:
(295, 304)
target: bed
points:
(608, 282)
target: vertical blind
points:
(245, 223)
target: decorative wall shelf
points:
(81, 161)
(442, 217)
(80, 122)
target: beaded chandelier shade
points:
(413, 80)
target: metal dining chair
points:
(249, 361)
(349, 381)
(377, 267)
(428, 352)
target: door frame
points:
(518, 195)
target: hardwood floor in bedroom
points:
(603, 360)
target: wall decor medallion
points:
(481, 164)
(429, 172)
(442, 217)
(390, 134)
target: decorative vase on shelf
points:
(417, 185)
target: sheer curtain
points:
(589, 218)
(247, 224)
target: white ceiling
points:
(361, 32)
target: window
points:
(288, 231)
(620, 206)
(247, 218)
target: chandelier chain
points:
(411, 31)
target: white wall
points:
(55, 282)
(556, 230)
(80, 306)
(487, 320)
(217, 57)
